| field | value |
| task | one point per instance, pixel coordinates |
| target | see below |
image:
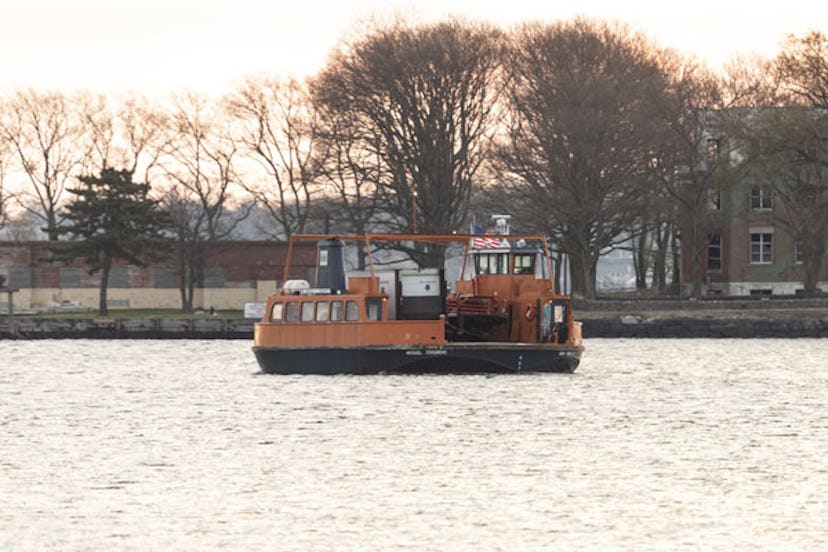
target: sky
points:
(153, 47)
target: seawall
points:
(706, 318)
(127, 328)
(712, 327)
(644, 325)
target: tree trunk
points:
(103, 310)
(696, 260)
(641, 261)
(674, 245)
(662, 233)
(583, 274)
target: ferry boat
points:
(502, 315)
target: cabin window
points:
(278, 312)
(351, 311)
(307, 311)
(492, 263)
(336, 311)
(524, 264)
(322, 308)
(373, 308)
(292, 312)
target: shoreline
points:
(629, 322)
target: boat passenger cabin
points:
(311, 309)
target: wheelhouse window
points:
(292, 312)
(351, 311)
(277, 313)
(761, 248)
(322, 311)
(307, 311)
(524, 264)
(760, 198)
(336, 311)
(714, 252)
(492, 263)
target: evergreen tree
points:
(112, 218)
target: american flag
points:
(484, 242)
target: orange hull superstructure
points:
(506, 317)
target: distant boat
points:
(505, 316)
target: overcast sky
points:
(156, 46)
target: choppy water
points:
(652, 444)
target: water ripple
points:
(651, 445)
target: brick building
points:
(750, 249)
(233, 273)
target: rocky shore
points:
(745, 318)
(760, 318)
(127, 328)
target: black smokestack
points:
(330, 267)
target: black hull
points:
(453, 358)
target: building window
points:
(714, 252)
(761, 248)
(760, 198)
(713, 146)
(715, 199)
(798, 256)
(70, 277)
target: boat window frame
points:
(337, 311)
(281, 317)
(291, 312)
(327, 311)
(501, 263)
(351, 311)
(373, 303)
(306, 312)
(523, 269)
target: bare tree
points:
(802, 69)
(5, 195)
(351, 176)
(277, 125)
(99, 136)
(786, 147)
(424, 100)
(580, 134)
(131, 136)
(44, 132)
(199, 162)
(691, 157)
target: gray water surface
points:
(650, 445)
